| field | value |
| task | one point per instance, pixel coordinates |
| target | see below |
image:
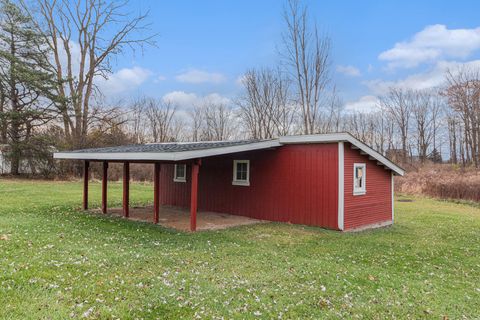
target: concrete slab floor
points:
(179, 218)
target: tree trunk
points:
(15, 122)
(3, 121)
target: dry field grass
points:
(441, 181)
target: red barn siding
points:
(294, 183)
(376, 205)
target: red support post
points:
(104, 186)
(126, 188)
(85, 184)
(156, 190)
(194, 195)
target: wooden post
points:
(126, 188)
(156, 189)
(194, 195)
(104, 186)
(85, 184)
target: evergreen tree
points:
(435, 156)
(26, 81)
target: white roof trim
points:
(335, 137)
(166, 156)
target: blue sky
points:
(205, 46)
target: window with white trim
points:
(241, 172)
(359, 178)
(180, 173)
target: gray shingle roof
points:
(181, 151)
(166, 147)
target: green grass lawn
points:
(58, 263)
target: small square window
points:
(241, 172)
(180, 173)
(359, 178)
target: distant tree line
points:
(49, 95)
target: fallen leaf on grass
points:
(4, 237)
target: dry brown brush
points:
(441, 181)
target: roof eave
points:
(165, 156)
(117, 156)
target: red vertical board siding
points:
(294, 183)
(174, 193)
(376, 205)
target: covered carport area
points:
(179, 218)
(157, 154)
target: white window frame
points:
(177, 178)
(237, 182)
(363, 189)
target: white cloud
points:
(427, 80)
(186, 100)
(123, 80)
(216, 99)
(240, 79)
(433, 43)
(200, 76)
(75, 55)
(349, 71)
(160, 78)
(364, 104)
(180, 98)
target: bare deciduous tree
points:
(307, 53)
(266, 108)
(137, 120)
(196, 122)
(398, 103)
(219, 122)
(426, 108)
(331, 114)
(373, 128)
(161, 118)
(84, 36)
(212, 121)
(463, 95)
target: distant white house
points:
(4, 164)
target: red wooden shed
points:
(328, 180)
